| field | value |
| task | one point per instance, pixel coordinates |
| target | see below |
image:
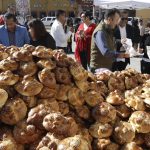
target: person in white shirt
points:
(58, 32)
(122, 31)
(141, 27)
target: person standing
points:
(58, 32)
(13, 34)
(136, 34)
(39, 35)
(142, 33)
(103, 51)
(141, 27)
(28, 18)
(122, 31)
(83, 40)
(69, 42)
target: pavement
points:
(134, 62)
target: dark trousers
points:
(84, 59)
(145, 67)
(69, 47)
(64, 48)
(119, 66)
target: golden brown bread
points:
(123, 111)
(123, 132)
(28, 86)
(3, 97)
(42, 52)
(78, 72)
(105, 144)
(30, 101)
(76, 97)
(84, 132)
(10, 90)
(62, 92)
(83, 111)
(62, 60)
(131, 146)
(104, 113)
(51, 103)
(37, 114)
(115, 98)
(47, 63)
(83, 85)
(63, 108)
(11, 49)
(102, 88)
(99, 130)
(8, 64)
(3, 55)
(131, 82)
(135, 102)
(8, 78)
(22, 55)
(27, 68)
(47, 93)
(140, 120)
(25, 134)
(9, 143)
(104, 76)
(116, 83)
(49, 141)
(13, 111)
(58, 124)
(74, 143)
(47, 78)
(62, 75)
(93, 98)
(28, 47)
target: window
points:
(44, 19)
(48, 19)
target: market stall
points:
(49, 102)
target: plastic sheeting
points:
(123, 4)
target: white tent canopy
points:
(123, 4)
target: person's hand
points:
(123, 55)
(123, 41)
(140, 50)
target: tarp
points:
(123, 4)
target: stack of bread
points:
(49, 102)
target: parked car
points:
(48, 21)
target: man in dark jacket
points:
(122, 31)
(103, 51)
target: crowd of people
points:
(97, 45)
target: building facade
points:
(40, 8)
(43, 8)
(5, 3)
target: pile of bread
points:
(49, 102)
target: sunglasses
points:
(124, 19)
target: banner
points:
(23, 7)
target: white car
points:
(48, 21)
